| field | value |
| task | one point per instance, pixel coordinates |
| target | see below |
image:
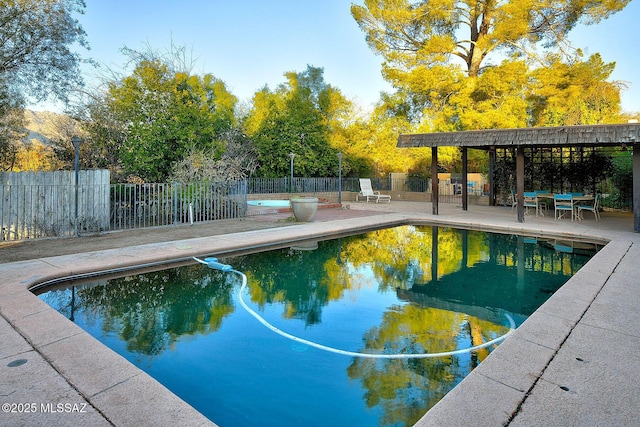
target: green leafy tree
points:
(163, 114)
(620, 195)
(36, 61)
(36, 37)
(297, 118)
(12, 126)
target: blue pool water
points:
(412, 289)
(270, 203)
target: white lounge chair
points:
(367, 191)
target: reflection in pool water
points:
(402, 290)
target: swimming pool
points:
(408, 288)
(270, 203)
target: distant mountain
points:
(41, 126)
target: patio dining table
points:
(587, 198)
(575, 199)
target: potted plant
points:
(304, 208)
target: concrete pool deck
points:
(575, 361)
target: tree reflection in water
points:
(151, 311)
(446, 289)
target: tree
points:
(438, 55)
(426, 34)
(35, 61)
(575, 93)
(104, 135)
(297, 118)
(163, 115)
(497, 98)
(35, 156)
(12, 126)
(238, 161)
(36, 37)
(372, 146)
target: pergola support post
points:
(520, 182)
(492, 165)
(434, 180)
(465, 187)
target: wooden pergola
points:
(623, 135)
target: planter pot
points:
(304, 208)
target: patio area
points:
(573, 362)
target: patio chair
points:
(367, 191)
(531, 201)
(563, 246)
(591, 208)
(563, 204)
(512, 200)
(544, 201)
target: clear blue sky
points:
(250, 43)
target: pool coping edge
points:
(58, 342)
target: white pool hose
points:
(214, 264)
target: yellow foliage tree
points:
(35, 156)
(441, 57)
(575, 93)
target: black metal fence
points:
(331, 185)
(151, 205)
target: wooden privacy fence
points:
(43, 204)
